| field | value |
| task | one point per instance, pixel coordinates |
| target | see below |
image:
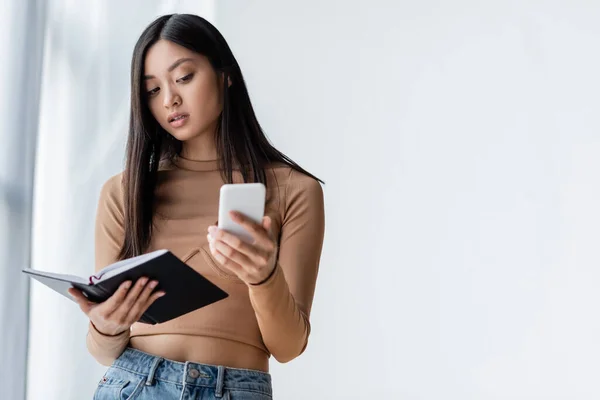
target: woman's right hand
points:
(122, 309)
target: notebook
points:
(186, 289)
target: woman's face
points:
(182, 90)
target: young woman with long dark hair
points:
(192, 129)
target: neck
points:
(200, 148)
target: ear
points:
(228, 81)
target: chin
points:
(184, 135)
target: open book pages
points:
(124, 265)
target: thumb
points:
(266, 223)
(84, 303)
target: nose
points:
(171, 99)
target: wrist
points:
(265, 280)
(99, 332)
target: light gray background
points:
(459, 142)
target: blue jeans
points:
(136, 375)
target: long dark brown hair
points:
(240, 141)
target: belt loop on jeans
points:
(155, 363)
(220, 382)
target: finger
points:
(231, 253)
(114, 301)
(253, 252)
(144, 306)
(267, 223)
(83, 302)
(138, 307)
(226, 262)
(121, 312)
(149, 301)
(258, 233)
(268, 226)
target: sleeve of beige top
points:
(109, 234)
(282, 304)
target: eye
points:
(186, 78)
(152, 92)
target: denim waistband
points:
(189, 373)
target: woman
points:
(192, 129)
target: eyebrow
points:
(172, 67)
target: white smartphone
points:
(246, 198)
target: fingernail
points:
(212, 230)
(153, 284)
(127, 285)
(161, 294)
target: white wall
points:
(84, 115)
(21, 43)
(459, 141)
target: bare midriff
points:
(203, 350)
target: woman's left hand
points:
(253, 262)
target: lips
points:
(177, 116)
(178, 119)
